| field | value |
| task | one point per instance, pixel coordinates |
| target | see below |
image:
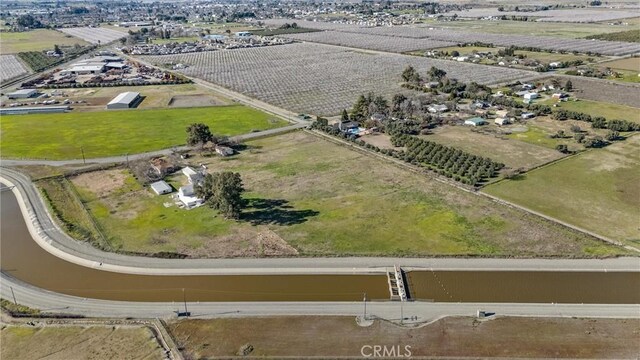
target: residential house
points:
(224, 150)
(502, 121)
(502, 113)
(193, 176)
(186, 194)
(437, 108)
(476, 121)
(530, 96)
(528, 115)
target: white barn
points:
(125, 100)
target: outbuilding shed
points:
(125, 100)
(161, 187)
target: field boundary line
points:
(479, 192)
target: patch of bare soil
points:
(505, 337)
(78, 342)
(383, 141)
(194, 100)
(101, 183)
(245, 242)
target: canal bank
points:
(26, 261)
(44, 230)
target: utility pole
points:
(401, 312)
(365, 306)
(14, 295)
(184, 298)
(84, 161)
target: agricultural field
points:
(597, 190)
(319, 79)
(498, 39)
(603, 91)
(117, 132)
(561, 30)
(539, 130)
(450, 337)
(98, 35)
(487, 142)
(10, 67)
(631, 64)
(367, 41)
(35, 40)
(599, 108)
(311, 197)
(555, 15)
(78, 342)
(629, 35)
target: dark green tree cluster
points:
(451, 162)
(223, 191)
(199, 134)
(367, 105)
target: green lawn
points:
(117, 132)
(324, 200)
(598, 108)
(34, 40)
(536, 136)
(597, 190)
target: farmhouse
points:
(476, 121)
(224, 150)
(186, 194)
(437, 108)
(125, 100)
(161, 187)
(192, 176)
(502, 121)
(23, 94)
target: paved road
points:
(54, 240)
(425, 311)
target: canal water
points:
(24, 259)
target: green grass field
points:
(323, 200)
(34, 40)
(597, 190)
(598, 108)
(117, 132)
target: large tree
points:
(199, 134)
(436, 74)
(223, 192)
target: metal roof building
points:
(161, 187)
(125, 100)
(33, 110)
(22, 94)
